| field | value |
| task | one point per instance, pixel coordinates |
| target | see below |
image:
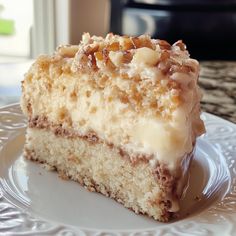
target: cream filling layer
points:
(164, 140)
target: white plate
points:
(34, 201)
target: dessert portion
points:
(120, 115)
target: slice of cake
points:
(120, 115)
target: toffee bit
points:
(180, 44)
(122, 62)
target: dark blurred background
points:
(208, 27)
(31, 27)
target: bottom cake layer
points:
(101, 168)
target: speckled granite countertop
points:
(218, 83)
(217, 80)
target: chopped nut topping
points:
(128, 44)
(67, 51)
(98, 56)
(127, 57)
(146, 55)
(113, 47)
(137, 70)
(140, 42)
(180, 44)
(164, 45)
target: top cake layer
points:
(137, 69)
(135, 92)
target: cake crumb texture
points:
(100, 168)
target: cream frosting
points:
(70, 99)
(165, 141)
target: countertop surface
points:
(217, 81)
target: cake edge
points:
(168, 182)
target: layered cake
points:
(120, 115)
